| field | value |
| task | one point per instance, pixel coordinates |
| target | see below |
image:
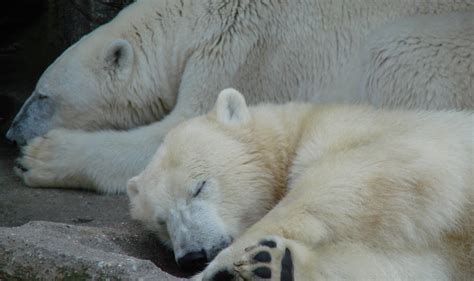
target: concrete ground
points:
(20, 204)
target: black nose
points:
(9, 140)
(193, 261)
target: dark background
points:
(32, 34)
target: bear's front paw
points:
(48, 161)
(270, 259)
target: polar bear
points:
(314, 192)
(116, 93)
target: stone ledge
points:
(52, 251)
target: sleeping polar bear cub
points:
(308, 192)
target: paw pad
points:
(287, 267)
(269, 259)
(263, 257)
(263, 272)
(268, 243)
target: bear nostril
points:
(10, 142)
(193, 261)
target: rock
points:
(52, 251)
(82, 220)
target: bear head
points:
(116, 77)
(205, 185)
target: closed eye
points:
(199, 189)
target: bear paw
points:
(270, 259)
(47, 161)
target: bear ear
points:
(132, 188)
(231, 108)
(118, 56)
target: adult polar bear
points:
(336, 193)
(167, 60)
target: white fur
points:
(389, 53)
(352, 192)
(231, 109)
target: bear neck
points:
(276, 134)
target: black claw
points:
(268, 243)
(263, 272)
(287, 267)
(263, 257)
(223, 275)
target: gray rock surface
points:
(56, 251)
(20, 204)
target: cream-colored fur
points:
(160, 62)
(353, 192)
